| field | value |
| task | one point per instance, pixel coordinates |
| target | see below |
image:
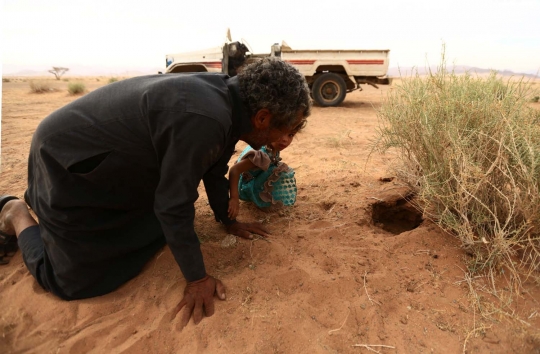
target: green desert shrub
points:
(5, 79)
(76, 88)
(40, 86)
(112, 79)
(470, 147)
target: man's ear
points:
(262, 119)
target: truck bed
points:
(370, 62)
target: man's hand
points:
(245, 230)
(199, 299)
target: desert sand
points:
(342, 273)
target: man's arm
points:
(217, 187)
(187, 145)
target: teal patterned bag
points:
(274, 187)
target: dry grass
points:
(470, 147)
(76, 88)
(340, 141)
(40, 86)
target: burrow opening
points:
(396, 217)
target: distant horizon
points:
(89, 70)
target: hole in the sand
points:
(397, 217)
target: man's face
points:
(265, 134)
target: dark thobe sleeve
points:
(217, 187)
(187, 148)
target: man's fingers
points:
(209, 306)
(186, 314)
(178, 308)
(245, 230)
(244, 234)
(198, 300)
(220, 290)
(198, 311)
(209, 302)
(258, 229)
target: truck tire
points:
(329, 89)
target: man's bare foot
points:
(15, 217)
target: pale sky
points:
(125, 35)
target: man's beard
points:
(258, 139)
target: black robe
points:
(114, 174)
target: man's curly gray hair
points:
(277, 86)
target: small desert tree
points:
(58, 71)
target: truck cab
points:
(226, 59)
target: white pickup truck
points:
(330, 74)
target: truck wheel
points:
(329, 89)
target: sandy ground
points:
(333, 276)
